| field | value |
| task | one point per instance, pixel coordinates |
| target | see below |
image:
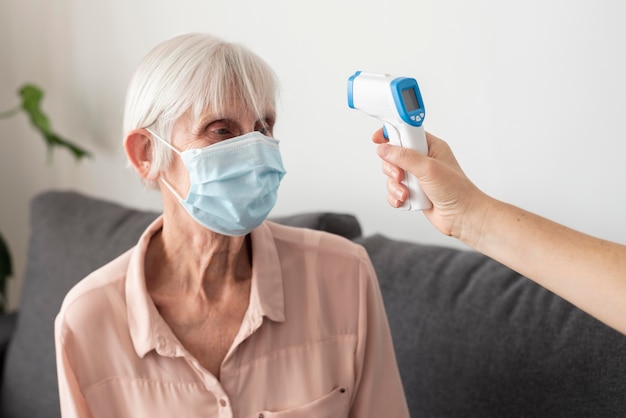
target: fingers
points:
(410, 160)
(379, 137)
(397, 193)
(393, 172)
(404, 158)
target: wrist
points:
(473, 223)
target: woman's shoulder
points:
(90, 295)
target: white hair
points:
(193, 73)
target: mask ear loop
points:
(164, 141)
(167, 184)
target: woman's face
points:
(236, 119)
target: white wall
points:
(529, 94)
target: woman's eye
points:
(265, 128)
(218, 129)
(221, 131)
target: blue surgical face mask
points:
(234, 183)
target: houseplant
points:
(30, 103)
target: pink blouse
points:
(314, 341)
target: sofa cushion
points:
(475, 339)
(72, 235)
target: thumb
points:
(404, 158)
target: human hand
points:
(456, 200)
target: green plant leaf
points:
(31, 103)
(6, 271)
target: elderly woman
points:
(217, 312)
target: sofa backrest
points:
(475, 339)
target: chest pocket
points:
(332, 405)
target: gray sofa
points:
(473, 338)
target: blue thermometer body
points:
(397, 102)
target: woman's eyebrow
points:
(269, 118)
(204, 120)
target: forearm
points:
(588, 272)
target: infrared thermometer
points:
(397, 102)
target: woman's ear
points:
(138, 147)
